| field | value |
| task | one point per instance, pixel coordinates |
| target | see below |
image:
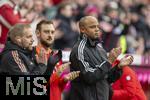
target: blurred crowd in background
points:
(125, 23)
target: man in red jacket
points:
(128, 87)
(45, 33)
(9, 16)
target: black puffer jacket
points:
(96, 73)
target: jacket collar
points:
(90, 42)
(12, 46)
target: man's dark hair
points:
(43, 22)
(62, 6)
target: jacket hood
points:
(12, 46)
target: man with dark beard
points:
(96, 72)
(45, 32)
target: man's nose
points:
(32, 40)
(50, 35)
(97, 29)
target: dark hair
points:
(38, 27)
(62, 6)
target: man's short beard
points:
(45, 44)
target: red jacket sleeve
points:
(118, 94)
(8, 15)
(54, 78)
(128, 86)
(62, 83)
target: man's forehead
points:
(27, 31)
(47, 26)
(91, 23)
(90, 20)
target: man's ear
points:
(18, 39)
(82, 29)
(37, 33)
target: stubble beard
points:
(46, 44)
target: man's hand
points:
(127, 60)
(71, 76)
(114, 53)
(41, 58)
(62, 68)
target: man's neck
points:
(45, 47)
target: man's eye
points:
(46, 31)
(92, 27)
(52, 32)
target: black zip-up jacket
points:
(96, 73)
(15, 60)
